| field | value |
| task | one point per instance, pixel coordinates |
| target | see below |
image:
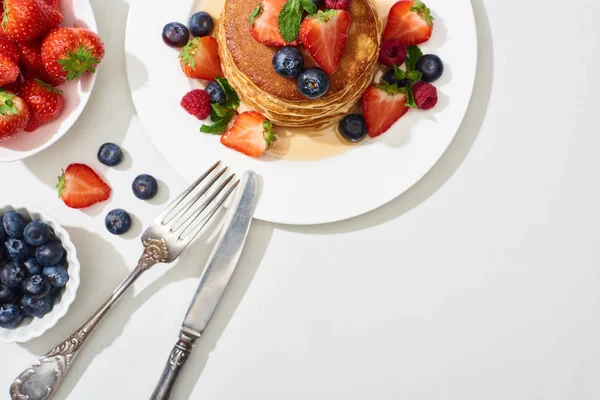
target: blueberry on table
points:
(14, 224)
(313, 83)
(288, 62)
(10, 316)
(17, 250)
(110, 154)
(50, 253)
(37, 307)
(117, 221)
(12, 275)
(201, 24)
(216, 93)
(37, 233)
(57, 275)
(7, 294)
(431, 67)
(145, 187)
(390, 78)
(175, 34)
(353, 127)
(32, 267)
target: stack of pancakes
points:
(247, 65)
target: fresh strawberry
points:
(9, 70)
(68, 53)
(27, 20)
(410, 21)
(14, 114)
(45, 102)
(80, 187)
(32, 64)
(54, 4)
(324, 36)
(10, 50)
(251, 134)
(382, 106)
(200, 58)
(14, 87)
(264, 27)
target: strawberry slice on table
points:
(9, 70)
(200, 58)
(264, 23)
(69, 53)
(80, 187)
(14, 114)
(27, 20)
(324, 36)
(410, 21)
(383, 105)
(45, 102)
(251, 134)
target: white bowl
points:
(34, 327)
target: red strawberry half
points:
(251, 134)
(200, 59)
(383, 105)
(324, 36)
(264, 27)
(80, 187)
(410, 21)
(27, 20)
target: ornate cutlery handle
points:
(42, 379)
(177, 359)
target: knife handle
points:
(179, 355)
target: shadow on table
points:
(452, 158)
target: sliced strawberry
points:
(264, 27)
(80, 187)
(383, 105)
(9, 70)
(324, 36)
(200, 58)
(251, 134)
(410, 21)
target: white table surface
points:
(481, 282)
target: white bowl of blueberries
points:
(39, 273)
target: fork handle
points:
(179, 355)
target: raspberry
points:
(337, 4)
(392, 52)
(197, 103)
(425, 95)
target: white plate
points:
(76, 13)
(294, 192)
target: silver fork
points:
(164, 240)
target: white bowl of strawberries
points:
(48, 57)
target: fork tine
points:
(163, 215)
(199, 206)
(200, 224)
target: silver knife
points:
(214, 280)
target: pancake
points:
(247, 66)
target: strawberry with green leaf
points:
(27, 20)
(410, 21)
(45, 102)
(200, 58)
(290, 18)
(80, 187)
(14, 114)
(324, 36)
(69, 53)
(383, 105)
(251, 134)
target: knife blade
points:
(224, 258)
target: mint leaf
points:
(414, 76)
(218, 110)
(290, 18)
(413, 54)
(219, 127)
(255, 14)
(309, 6)
(398, 72)
(232, 101)
(410, 98)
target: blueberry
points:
(175, 34)
(54, 293)
(10, 316)
(313, 83)
(50, 253)
(201, 24)
(17, 250)
(37, 307)
(2, 233)
(288, 62)
(14, 224)
(390, 77)
(117, 221)
(12, 275)
(36, 286)
(57, 275)
(216, 93)
(110, 154)
(145, 187)
(353, 127)
(431, 67)
(7, 294)
(37, 233)
(32, 267)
